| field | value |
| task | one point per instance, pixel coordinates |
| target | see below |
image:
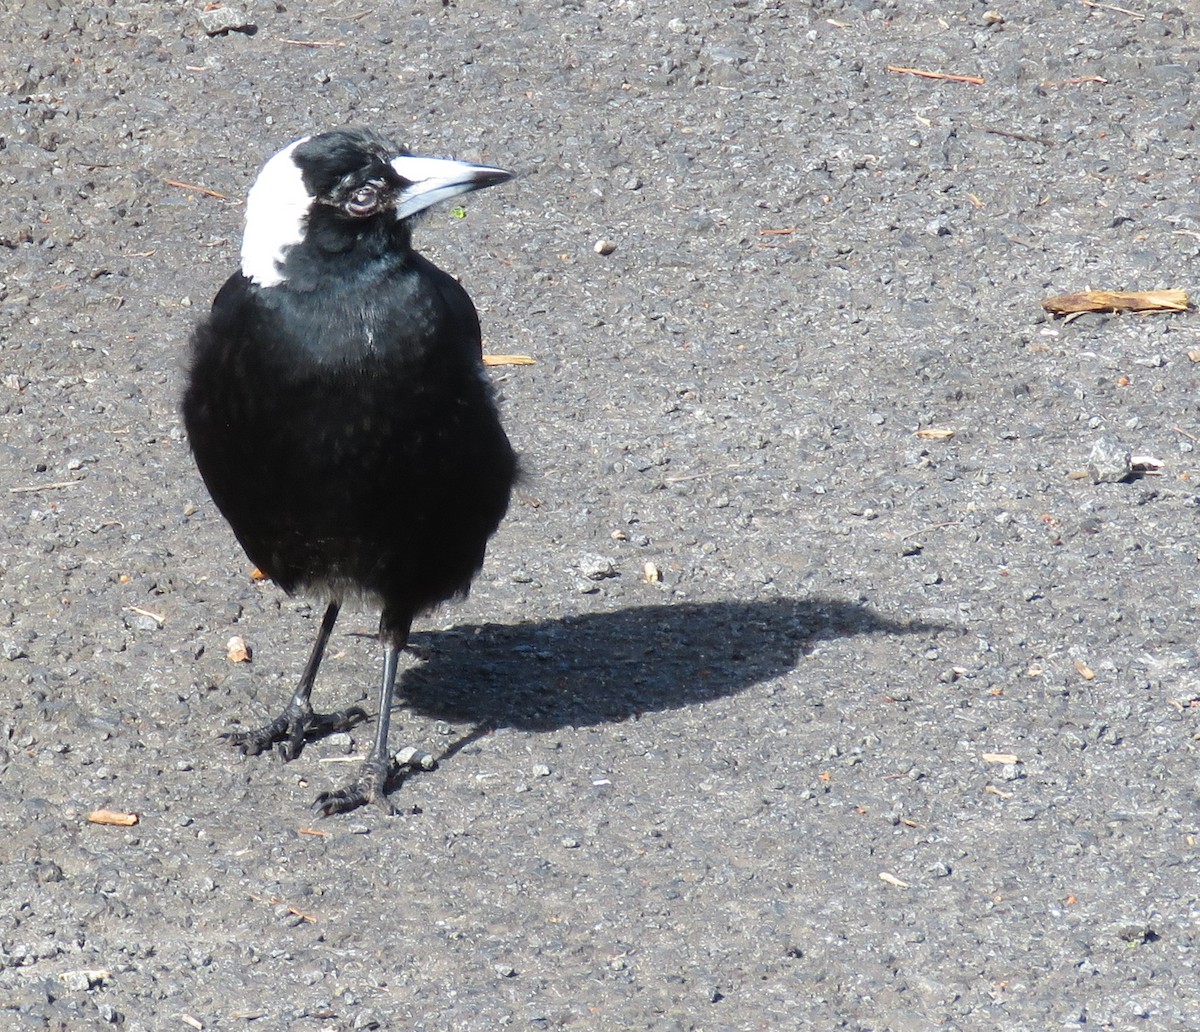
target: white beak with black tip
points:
(431, 180)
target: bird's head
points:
(340, 193)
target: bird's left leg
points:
(371, 783)
(297, 723)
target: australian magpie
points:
(339, 412)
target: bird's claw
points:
(369, 787)
(291, 729)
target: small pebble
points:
(75, 981)
(411, 756)
(596, 567)
(217, 20)
(48, 873)
(1011, 772)
(1135, 933)
(603, 246)
(236, 649)
(1110, 461)
(141, 622)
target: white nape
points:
(276, 209)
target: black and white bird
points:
(339, 412)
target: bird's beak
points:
(431, 180)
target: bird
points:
(339, 413)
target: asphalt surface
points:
(897, 731)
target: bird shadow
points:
(597, 668)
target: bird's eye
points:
(364, 201)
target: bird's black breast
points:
(350, 435)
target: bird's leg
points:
(298, 722)
(371, 783)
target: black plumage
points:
(339, 412)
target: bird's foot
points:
(369, 787)
(292, 728)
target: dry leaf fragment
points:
(275, 901)
(490, 360)
(892, 880)
(993, 790)
(114, 817)
(198, 189)
(1118, 301)
(935, 433)
(1078, 80)
(924, 74)
(32, 488)
(257, 575)
(1084, 671)
(313, 42)
(156, 617)
(1001, 757)
(1113, 7)
(237, 650)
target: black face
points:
(355, 192)
(348, 170)
(339, 206)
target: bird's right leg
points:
(371, 784)
(298, 723)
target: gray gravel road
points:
(903, 734)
